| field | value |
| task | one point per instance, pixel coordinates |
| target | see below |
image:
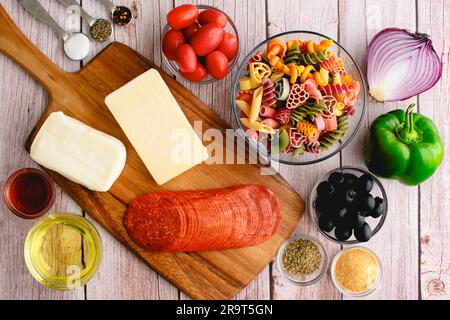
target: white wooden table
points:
(414, 244)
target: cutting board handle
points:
(15, 45)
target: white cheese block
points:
(78, 152)
(156, 126)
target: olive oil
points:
(63, 251)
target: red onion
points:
(401, 64)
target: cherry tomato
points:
(171, 41)
(217, 64)
(198, 75)
(182, 16)
(229, 45)
(186, 58)
(190, 30)
(210, 16)
(207, 39)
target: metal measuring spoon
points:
(76, 44)
(100, 29)
(121, 15)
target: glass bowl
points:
(32, 184)
(354, 122)
(377, 191)
(307, 279)
(230, 28)
(349, 293)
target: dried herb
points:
(122, 15)
(301, 257)
(101, 30)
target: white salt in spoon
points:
(76, 44)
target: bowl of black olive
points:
(348, 205)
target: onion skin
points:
(401, 65)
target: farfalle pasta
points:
(302, 88)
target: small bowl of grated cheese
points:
(356, 271)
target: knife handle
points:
(15, 45)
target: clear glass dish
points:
(63, 251)
(377, 191)
(230, 28)
(307, 279)
(353, 294)
(354, 122)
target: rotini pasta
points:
(308, 129)
(328, 139)
(332, 64)
(276, 49)
(313, 58)
(283, 115)
(314, 92)
(293, 55)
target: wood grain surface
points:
(81, 95)
(414, 243)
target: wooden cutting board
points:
(201, 275)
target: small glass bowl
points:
(9, 196)
(354, 122)
(353, 294)
(230, 28)
(377, 191)
(307, 279)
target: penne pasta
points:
(258, 126)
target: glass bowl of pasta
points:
(299, 98)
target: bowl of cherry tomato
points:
(199, 43)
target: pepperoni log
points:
(203, 220)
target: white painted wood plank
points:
(122, 275)
(320, 16)
(434, 193)
(22, 102)
(397, 242)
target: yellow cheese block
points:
(156, 126)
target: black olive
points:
(325, 223)
(364, 233)
(350, 196)
(336, 178)
(379, 208)
(364, 184)
(324, 188)
(342, 233)
(358, 221)
(368, 203)
(325, 204)
(349, 179)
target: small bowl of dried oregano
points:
(302, 260)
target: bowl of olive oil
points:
(63, 251)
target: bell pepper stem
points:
(407, 132)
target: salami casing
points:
(203, 220)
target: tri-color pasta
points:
(298, 90)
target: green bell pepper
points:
(404, 146)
